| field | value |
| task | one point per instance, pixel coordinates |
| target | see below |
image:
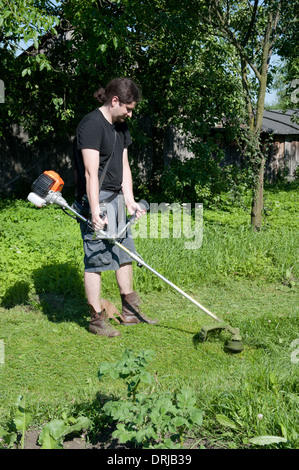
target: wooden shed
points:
(284, 151)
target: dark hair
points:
(126, 90)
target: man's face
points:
(122, 111)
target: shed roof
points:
(279, 122)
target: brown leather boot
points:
(131, 313)
(111, 310)
(99, 325)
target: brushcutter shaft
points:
(141, 262)
(43, 196)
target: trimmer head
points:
(233, 346)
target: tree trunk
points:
(249, 109)
(257, 203)
(258, 191)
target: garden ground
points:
(249, 279)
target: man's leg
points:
(131, 313)
(124, 277)
(92, 283)
(99, 323)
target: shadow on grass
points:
(17, 294)
(59, 292)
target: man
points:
(101, 135)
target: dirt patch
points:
(103, 440)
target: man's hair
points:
(126, 90)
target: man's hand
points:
(127, 188)
(134, 207)
(98, 221)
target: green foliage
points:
(27, 21)
(29, 261)
(155, 420)
(129, 368)
(54, 432)
(190, 55)
(41, 252)
(205, 179)
(172, 50)
(18, 425)
(156, 42)
(267, 440)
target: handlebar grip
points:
(103, 215)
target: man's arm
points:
(91, 159)
(127, 188)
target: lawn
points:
(247, 278)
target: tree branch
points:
(232, 38)
(253, 16)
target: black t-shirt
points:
(95, 132)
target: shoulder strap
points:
(107, 163)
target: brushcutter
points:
(46, 190)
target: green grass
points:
(248, 278)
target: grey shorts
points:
(102, 255)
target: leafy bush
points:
(204, 179)
(52, 434)
(155, 420)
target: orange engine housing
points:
(58, 182)
(47, 181)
